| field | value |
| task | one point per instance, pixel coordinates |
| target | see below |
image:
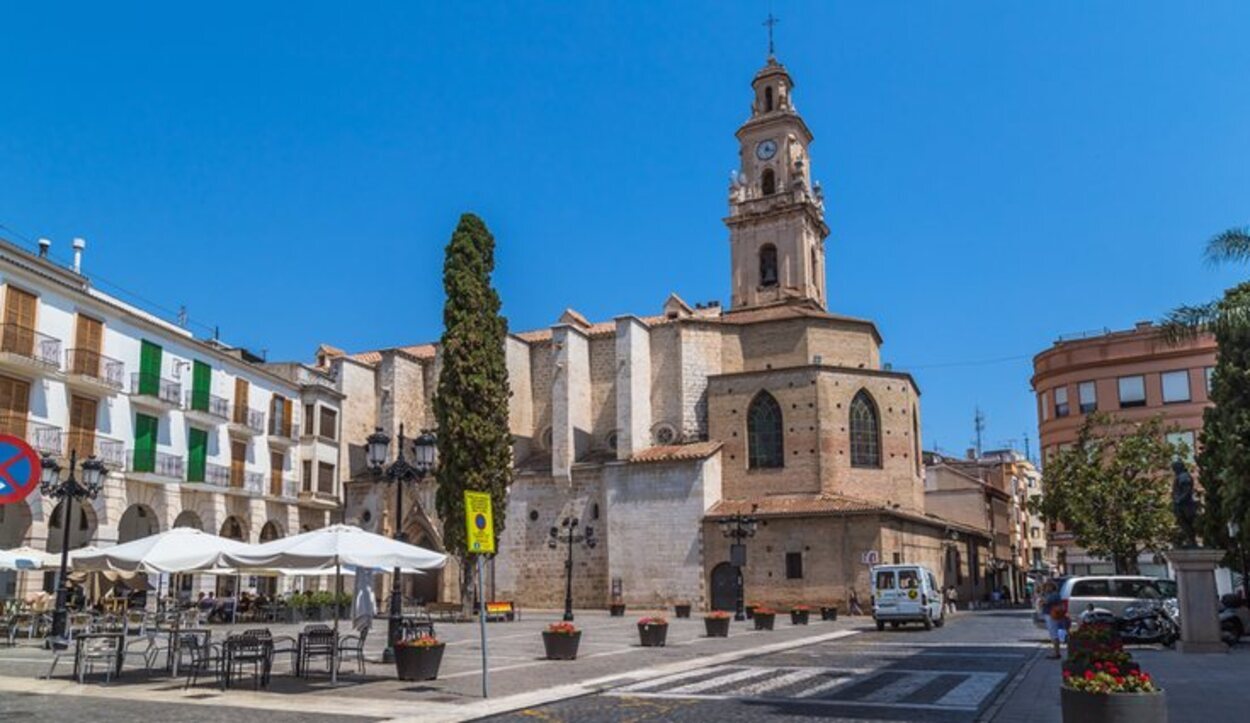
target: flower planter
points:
(717, 627)
(682, 610)
(1077, 668)
(652, 635)
(617, 610)
(749, 610)
(799, 617)
(414, 662)
(828, 613)
(1081, 707)
(764, 621)
(561, 646)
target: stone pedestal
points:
(1198, 600)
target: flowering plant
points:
(1106, 678)
(421, 641)
(1095, 633)
(765, 611)
(562, 629)
(652, 621)
(801, 609)
(717, 615)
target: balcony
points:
(112, 452)
(44, 438)
(247, 422)
(29, 352)
(160, 468)
(216, 475)
(284, 487)
(93, 372)
(154, 392)
(206, 408)
(281, 432)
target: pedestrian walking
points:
(1056, 617)
(854, 604)
(952, 598)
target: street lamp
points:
(1234, 534)
(738, 528)
(71, 492)
(425, 450)
(566, 534)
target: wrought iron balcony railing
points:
(92, 364)
(152, 385)
(201, 401)
(160, 464)
(33, 345)
(253, 419)
(45, 438)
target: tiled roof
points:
(785, 311)
(368, 357)
(787, 505)
(677, 452)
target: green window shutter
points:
(197, 443)
(149, 368)
(145, 443)
(201, 385)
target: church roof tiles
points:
(677, 452)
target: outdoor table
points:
(79, 640)
(175, 642)
(246, 648)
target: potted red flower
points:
(682, 609)
(828, 612)
(1107, 693)
(717, 624)
(764, 618)
(418, 658)
(561, 641)
(799, 614)
(652, 632)
(616, 609)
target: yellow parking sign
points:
(479, 522)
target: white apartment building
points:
(194, 433)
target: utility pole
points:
(1027, 453)
(978, 423)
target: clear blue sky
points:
(998, 173)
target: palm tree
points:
(1187, 322)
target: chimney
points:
(972, 453)
(79, 245)
(44, 245)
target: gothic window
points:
(768, 182)
(865, 432)
(768, 265)
(768, 99)
(764, 447)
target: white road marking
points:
(973, 690)
(718, 681)
(899, 689)
(780, 681)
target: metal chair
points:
(318, 642)
(205, 657)
(242, 650)
(96, 650)
(354, 644)
(80, 623)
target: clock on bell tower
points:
(776, 215)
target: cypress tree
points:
(471, 403)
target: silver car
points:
(1112, 593)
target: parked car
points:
(1112, 593)
(906, 594)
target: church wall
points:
(666, 396)
(653, 514)
(773, 345)
(521, 402)
(730, 396)
(359, 410)
(602, 390)
(542, 365)
(700, 359)
(853, 348)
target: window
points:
(1034, 533)
(908, 580)
(325, 478)
(865, 432)
(1175, 386)
(768, 265)
(1208, 373)
(885, 580)
(1087, 395)
(1045, 406)
(768, 99)
(1137, 589)
(794, 566)
(309, 419)
(1061, 401)
(764, 442)
(1132, 391)
(1186, 439)
(768, 182)
(329, 423)
(308, 478)
(1097, 587)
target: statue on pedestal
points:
(1184, 505)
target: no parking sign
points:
(478, 522)
(20, 469)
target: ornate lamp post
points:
(738, 528)
(567, 534)
(71, 492)
(425, 450)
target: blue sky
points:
(997, 173)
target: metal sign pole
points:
(481, 619)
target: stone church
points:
(651, 429)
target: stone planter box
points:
(682, 610)
(765, 621)
(716, 627)
(652, 635)
(1081, 707)
(799, 617)
(561, 646)
(828, 613)
(617, 610)
(418, 663)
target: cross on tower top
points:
(770, 23)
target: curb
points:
(1008, 690)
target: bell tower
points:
(776, 214)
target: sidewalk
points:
(1200, 688)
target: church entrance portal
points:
(724, 587)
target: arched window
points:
(768, 182)
(865, 432)
(764, 447)
(768, 99)
(768, 265)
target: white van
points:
(906, 594)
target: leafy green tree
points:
(471, 404)
(1186, 322)
(1113, 489)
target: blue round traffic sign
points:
(479, 520)
(20, 469)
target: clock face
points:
(766, 149)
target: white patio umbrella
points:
(27, 558)
(182, 549)
(336, 545)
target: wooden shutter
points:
(82, 421)
(14, 406)
(145, 443)
(238, 462)
(201, 385)
(88, 340)
(19, 321)
(287, 410)
(277, 462)
(240, 401)
(197, 457)
(150, 368)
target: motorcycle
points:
(1234, 618)
(1143, 623)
